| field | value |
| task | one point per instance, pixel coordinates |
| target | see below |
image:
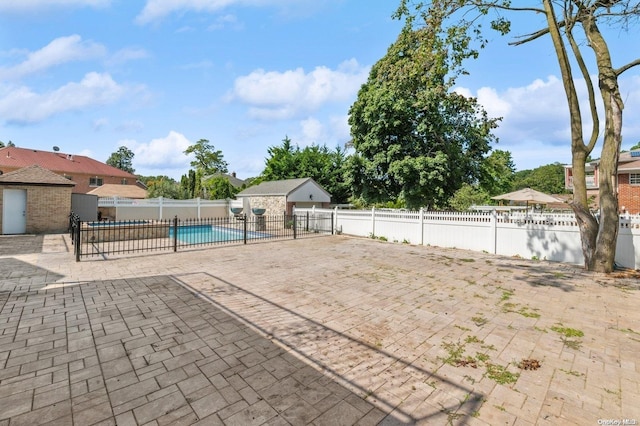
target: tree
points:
(416, 140)
(207, 159)
(219, 188)
(8, 145)
(563, 20)
(467, 196)
(162, 186)
(122, 159)
(548, 179)
(317, 162)
(497, 173)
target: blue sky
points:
(90, 76)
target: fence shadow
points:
(329, 350)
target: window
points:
(123, 181)
(634, 178)
(95, 181)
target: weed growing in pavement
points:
(569, 336)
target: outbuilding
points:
(280, 196)
(34, 200)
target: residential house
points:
(86, 172)
(627, 181)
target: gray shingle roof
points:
(34, 175)
(275, 187)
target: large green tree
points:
(567, 23)
(122, 159)
(416, 140)
(497, 173)
(208, 159)
(548, 178)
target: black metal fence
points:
(130, 236)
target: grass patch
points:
(479, 320)
(473, 339)
(462, 328)
(467, 260)
(566, 331)
(506, 295)
(500, 374)
(569, 336)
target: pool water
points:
(194, 234)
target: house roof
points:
(58, 162)
(114, 190)
(34, 175)
(277, 187)
(237, 183)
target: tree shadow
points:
(336, 353)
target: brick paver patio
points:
(325, 331)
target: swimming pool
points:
(200, 234)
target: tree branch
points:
(627, 66)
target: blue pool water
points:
(194, 234)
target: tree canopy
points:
(122, 159)
(323, 165)
(566, 23)
(207, 159)
(416, 140)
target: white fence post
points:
(335, 219)
(373, 221)
(421, 239)
(494, 231)
(160, 207)
(198, 204)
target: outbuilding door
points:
(14, 211)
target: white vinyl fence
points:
(549, 236)
(162, 208)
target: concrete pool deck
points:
(324, 331)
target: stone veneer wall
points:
(48, 207)
(275, 204)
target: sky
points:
(90, 76)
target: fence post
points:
(331, 223)
(294, 227)
(306, 227)
(175, 233)
(198, 204)
(244, 227)
(160, 208)
(421, 239)
(494, 231)
(76, 237)
(373, 221)
(336, 218)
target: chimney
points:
(233, 174)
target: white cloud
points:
(162, 153)
(127, 54)
(279, 95)
(22, 105)
(59, 51)
(158, 9)
(226, 21)
(33, 5)
(100, 123)
(535, 126)
(313, 132)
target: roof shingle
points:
(35, 175)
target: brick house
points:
(34, 200)
(86, 172)
(627, 181)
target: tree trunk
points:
(605, 249)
